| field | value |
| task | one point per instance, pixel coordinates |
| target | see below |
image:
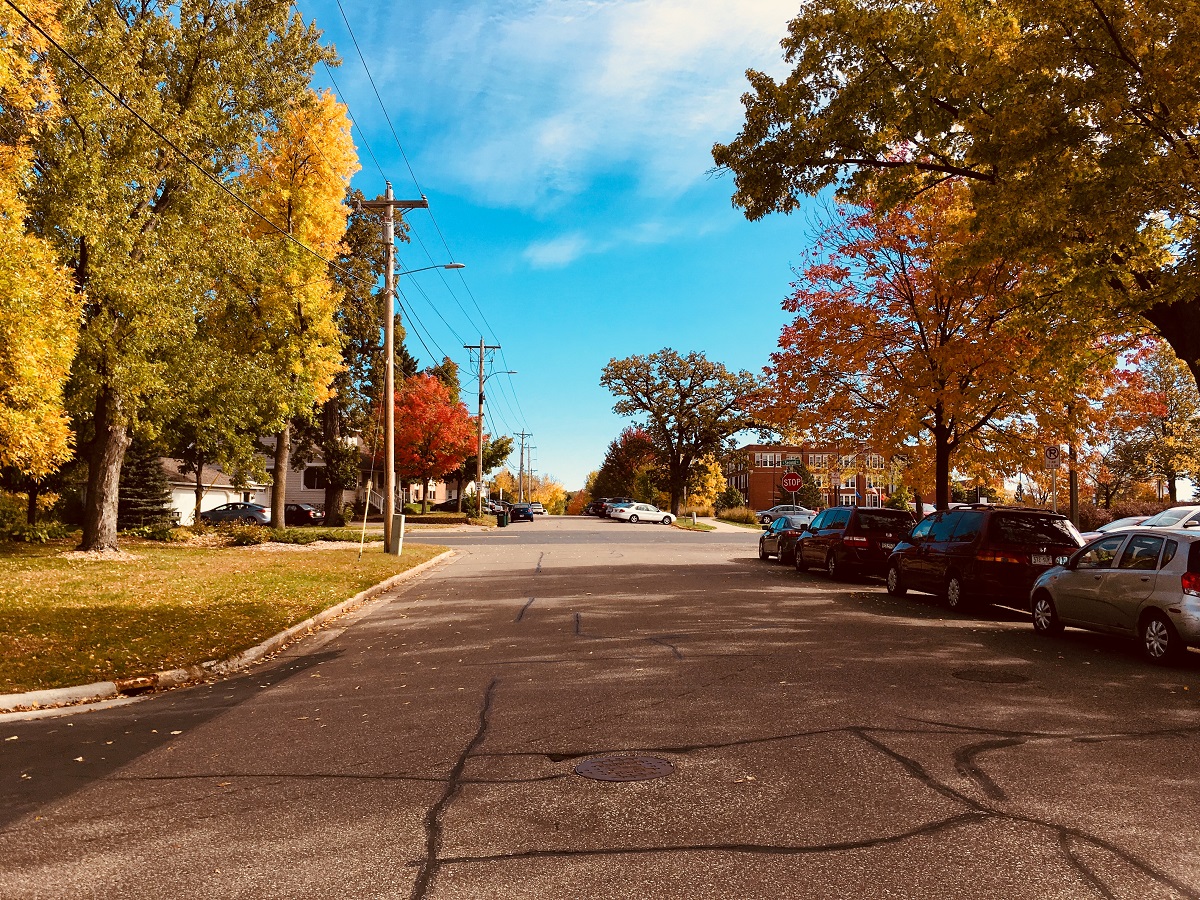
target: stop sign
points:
(792, 481)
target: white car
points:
(537, 509)
(641, 512)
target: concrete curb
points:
(170, 678)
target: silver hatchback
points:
(1143, 583)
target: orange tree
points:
(896, 341)
(434, 432)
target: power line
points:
(354, 121)
(432, 217)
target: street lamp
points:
(479, 457)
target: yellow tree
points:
(299, 178)
(39, 312)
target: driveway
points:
(808, 738)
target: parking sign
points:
(1052, 455)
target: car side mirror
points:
(765, 527)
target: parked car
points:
(519, 511)
(1175, 517)
(767, 516)
(302, 514)
(613, 502)
(641, 512)
(1127, 522)
(779, 538)
(238, 513)
(981, 553)
(852, 540)
(594, 508)
(538, 509)
(1137, 583)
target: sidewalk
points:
(727, 527)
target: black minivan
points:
(981, 553)
(851, 540)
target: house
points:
(218, 489)
(846, 476)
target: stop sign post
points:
(792, 482)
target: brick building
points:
(859, 477)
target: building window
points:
(876, 462)
(822, 480)
(314, 478)
(847, 462)
(849, 481)
(818, 461)
(768, 460)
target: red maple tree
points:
(434, 433)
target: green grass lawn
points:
(686, 525)
(67, 621)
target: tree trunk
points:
(459, 484)
(1172, 490)
(104, 474)
(283, 452)
(35, 488)
(331, 439)
(1073, 483)
(425, 495)
(199, 462)
(942, 451)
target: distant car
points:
(611, 503)
(1175, 517)
(767, 516)
(1137, 583)
(852, 540)
(538, 509)
(237, 513)
(595, 507)
(1127, 522)
(520, 511)
(779, 538)
(981, 554)
(301, 514)
(641, 512)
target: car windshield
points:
(1034, 529)
(797, 521)
(1169, 517)
(884, 520)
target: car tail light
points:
(1191, 583)
(855, 540)
(1000, 556)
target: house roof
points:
(211, 476)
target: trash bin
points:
(502, 519)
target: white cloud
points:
(557, 252)
(527, 103)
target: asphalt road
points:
(825, 740)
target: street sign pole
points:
(1051, 457)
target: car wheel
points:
(633, 520)
(895, 584)
(1045, 616)
(1161, 643)
(666, 520)
(762, 551)
(798, 557)
(956, 598)
(832, 567)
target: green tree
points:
(1073, 124)
(147, 238)
(495, 452)
(688, 405)
(144, 496)
(730, 498)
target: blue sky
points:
(564, 147)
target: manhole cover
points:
(624, 768)
(991, 676)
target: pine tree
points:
(144, 494)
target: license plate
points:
(1041, 559)
(888, 545)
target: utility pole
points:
(388, 203)
(521, 467)
(483, 348)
